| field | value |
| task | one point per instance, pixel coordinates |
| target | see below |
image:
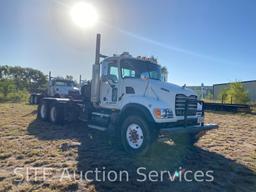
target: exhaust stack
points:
(95, 85)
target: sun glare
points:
(84, 14)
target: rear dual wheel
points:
(56, 113)
(43, 111)
(33, 100)
(53, 112)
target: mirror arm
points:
(111, 84)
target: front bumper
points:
(188, 129)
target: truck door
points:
(109, 84)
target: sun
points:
(84, 15)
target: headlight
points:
(199, 109)
(163, 113)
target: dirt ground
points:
(25, 143)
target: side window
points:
(113, 70)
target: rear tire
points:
(136, 136)
(31, 99)
(35, 99)
(56, 113)
(43, 111)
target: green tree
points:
(6, 87)
(235, 93)
(69, 77)
(24, 78)
(209, 95)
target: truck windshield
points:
(134, 68)
(64, 83)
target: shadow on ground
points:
(97, 151)
(34, 112)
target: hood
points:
(160, 86)
(64, 90)
(75, 88)
(166, 92)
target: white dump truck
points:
(62, 88)
(58, 88)
(127, 99)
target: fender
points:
(148, 103)
(135, 108)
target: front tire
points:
(136, 136)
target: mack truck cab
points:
(57, 88)
(127, 99)
(62, 88)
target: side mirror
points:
(104, 78)
(111, 78)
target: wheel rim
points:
(53, 114)
(134, 136)
(35, 100)
(43, 111)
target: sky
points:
(199, 41)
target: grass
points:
(26, 142)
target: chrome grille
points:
(180, 105)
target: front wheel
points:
(136, 135)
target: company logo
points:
(103, 174)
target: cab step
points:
(97, 127)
